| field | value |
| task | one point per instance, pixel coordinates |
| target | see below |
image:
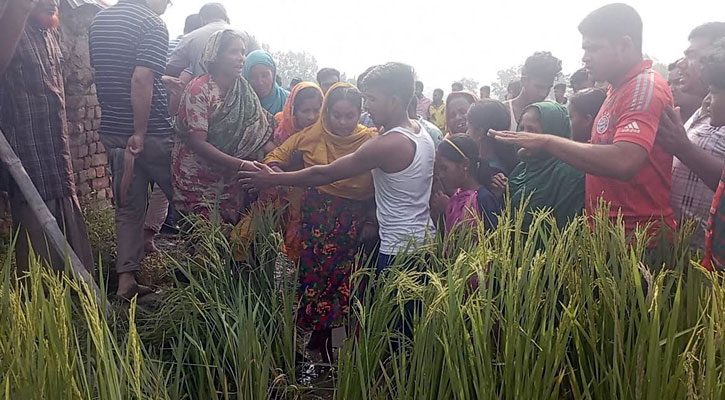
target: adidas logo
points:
(631, 127)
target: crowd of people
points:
(378, 167)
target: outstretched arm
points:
(12, 23)
(621, 160)
(366, 158)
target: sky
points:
(444, 40)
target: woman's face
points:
(530, 121)
(343, 117)
(261, 77)
(456, 111)
(308, 112)
(449, 173)
(231, 61)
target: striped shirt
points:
(691, 197)
(123, 37)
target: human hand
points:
(438, 203)
(499, 183)
(174, 85)
(135, 143)
(671, 134)
(529, 143)
(262, 178)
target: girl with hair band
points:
(466, 179)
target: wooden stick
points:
(46, 219)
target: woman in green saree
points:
(542, 180)
(221, 126)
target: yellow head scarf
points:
(319, 146)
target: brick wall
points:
(90, 164)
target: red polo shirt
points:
(631, 113)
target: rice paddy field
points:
(576, 313)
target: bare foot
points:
(128, 287)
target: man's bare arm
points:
(12, 23)
(142, 92)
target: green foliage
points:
(572, 313)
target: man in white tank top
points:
(537, 78)
(400, 159)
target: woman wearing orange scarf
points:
(332, 216)
(301, 110)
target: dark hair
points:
(673, 65)
(457, 84)
(714, 66)
(485, 87)
(514, 86)
(192, 23)
(712, 31)
(493, 114)
(306, 94)
(489, 114)
(541, 65)
(588, 101)
(580, 75)
(213, 12)
(560, 86)
(394, 79)
(614, 21)
(294, 82)
(327, 72)
(361, 77)
(469, 147)
(419, 83)
(350, 94)
(438, 90)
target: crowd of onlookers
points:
(202, 119)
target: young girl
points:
(301, 111)
(465, 178)
(583, 109)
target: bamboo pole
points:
(46, 219)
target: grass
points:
(572, 313)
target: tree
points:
(293, 64)
(469, 84)
(504, 77)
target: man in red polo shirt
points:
(624, 166)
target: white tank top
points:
(403, 198)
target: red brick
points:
(88, 125)
(98, 160)
(101, 149)
(82, 176)
(86, 162)
(96, 123)
(99, 183)
(90, 112)
(77, 164)
(92, 148)
(76, 114)
(100, 172)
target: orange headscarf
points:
(286, 118)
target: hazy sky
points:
(447, 39)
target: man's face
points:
(418, 89)
(537, 89)
(438, 96)
(378, 105)
(45, 14)
(327, 82)
(691, 67)
(559, 92)
(717, 107)
(601, 58)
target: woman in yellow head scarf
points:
(332, 216)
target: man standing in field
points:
(537, 77)
(33, 118)
(624, 166)
(437, 110)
